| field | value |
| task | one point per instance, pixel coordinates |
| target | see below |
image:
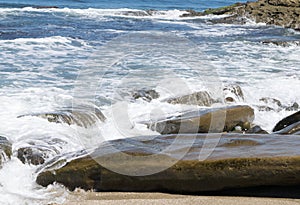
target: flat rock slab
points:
(231, 161)
(206, 121)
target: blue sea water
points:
(100, 51)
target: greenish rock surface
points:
(204, 121)
(235, 161)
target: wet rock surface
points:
(236, 161)
(146, 95)
(233, 94)
(283, 13)
(287, 121)
(201, 98)
(83, 116)
(5, 149)
(208, 120)
(36, 152)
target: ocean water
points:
(98, 52)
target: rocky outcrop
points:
(233, 94)
(201, 98)
(82, 116)
(37, 151)
(287, 121)
(35, 155)
(5, 149)
(236, 161)
(209, 120)
(146, 95)
(283, 13)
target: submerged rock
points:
(208, 120)
(83, 117)
(201, 98)
(273, 104)
(39, 150)
(31, 155)
(287, 121)
(236, 161)
(5, 149)
(256, 130)
(282, 43)
(146, 95)
(293, 107)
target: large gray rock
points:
(232, 161)
(82, 116)
(208, 120)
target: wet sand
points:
(124, 198)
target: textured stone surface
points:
(237, 161)
(204, 121)
(283, 13)
(83, 116)
(287, 121)
(5, 149)
(201, 98)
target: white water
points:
(38, 74)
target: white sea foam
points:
(35, 71)
(96, 13)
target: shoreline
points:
(124, 198)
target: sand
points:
(124, 198)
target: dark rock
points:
(146, 95)
(274, 101)
(291, 129)
(83, 116)
(201, 98)
(31, 156)
(237, 161)
(5, 149)
(38, 151)
(256, 130)
(46, 7)
(233, 93)
(264, 108)
(204, 121)
(282, 43)
(287, 121)
(293, 107)
(271, 104)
